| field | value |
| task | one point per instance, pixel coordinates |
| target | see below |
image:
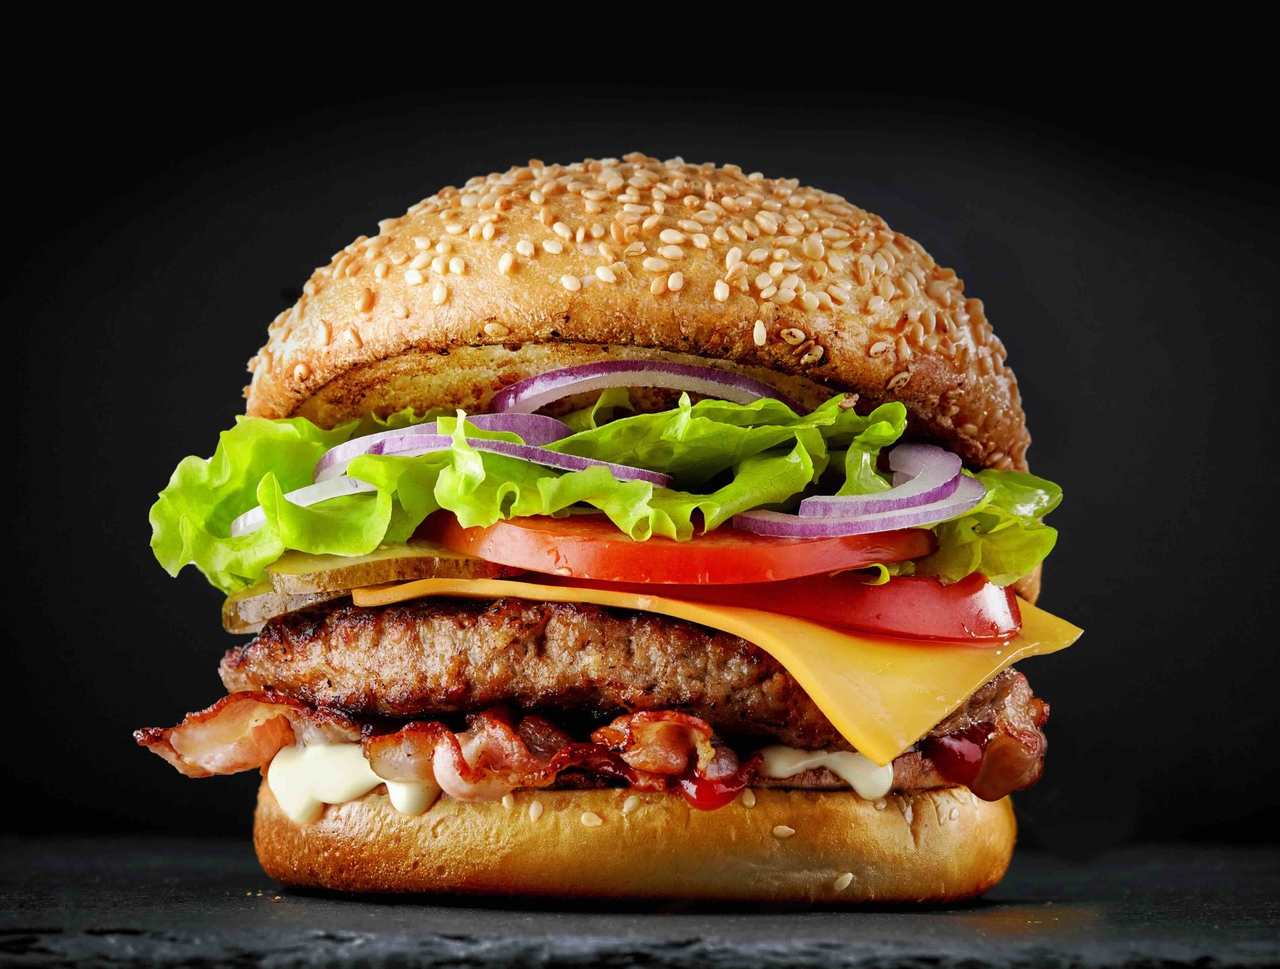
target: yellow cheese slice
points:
(881, 694)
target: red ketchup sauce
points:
(958, 756)
(707, 794)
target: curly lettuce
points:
(725, 458)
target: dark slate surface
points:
(154, 902)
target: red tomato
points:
(591, 547)
(911, 607)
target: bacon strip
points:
(660, 741)
(489, 759)
(243, 731)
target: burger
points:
(625, 529)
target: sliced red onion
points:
(922, 474)
(528, 395)
(411, 446)
(969, 492)
(536, 429)
(252, 520)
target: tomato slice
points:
(591, 547)
(911, 607)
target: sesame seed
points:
(701, 241)
(671, 236)
(399, 311)
(784, 296)
(350, 335)
(562, 230)
(505, 263)
(322, 335)
(457, 266)
(656, 265)
(605, 274)
(444, 247)
(553, 246)
(571, 283)
(721, 291)
(495, 330)
(535, 810)
(953, 814)
(658, 285)
(508, 801)
(440, 293)
(380, 270)
(759, 334)
(809, 301)
(630, 804)
(591, 820)
(749, 798)
(366, 301)
(650, 222)
(454, 228)
(763, 281)
(438, 265)
(732, 258)
(488, 231)
(874, 303)
(673, 253)
(421, 242)
(689, 225)
(813, 356)
(607, 252)
(792, 336)
(843, 882)
(413, 277)
(897, 380)
(783, 831)
(675, 282)
(301, 372)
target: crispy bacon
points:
(660, 741)
(243, 731)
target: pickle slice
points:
(299, 573)
(247, 610)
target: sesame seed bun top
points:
(549, 265)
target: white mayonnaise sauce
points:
(867, 779)
(305, 779)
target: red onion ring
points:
(537, 391)
(969, 492)
(923, 474)
(412, 445)
(536, 429)
(255, 518)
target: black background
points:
(1124, 248)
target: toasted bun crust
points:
(548, 265)
(934, 846)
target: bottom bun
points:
(933, 846)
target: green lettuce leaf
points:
(1003, 538)
(601, 412)
(726, 458)
(256, 462)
